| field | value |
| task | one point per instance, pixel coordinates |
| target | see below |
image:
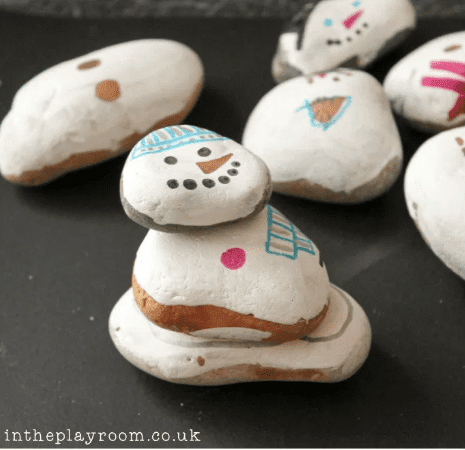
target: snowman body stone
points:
(225, 288)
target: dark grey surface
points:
(198, 8)
(67, 251)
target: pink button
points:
(233, 258)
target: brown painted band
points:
(253, 372)
(367, 191)
(188, 319)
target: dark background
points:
(67, 251)
(199, 8)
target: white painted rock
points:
(435, 195)
(248, 299)
(95, 107)
(185, 177)
(427, 87)
(329, 137)
(327, 34)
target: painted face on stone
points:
(336, 26)
(189, 176)
(340, 33)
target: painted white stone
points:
(184, 269)
(427, 87)
(329, 137)
(213, 304)
(103, 101)
(186, 158)
(337, 351)
(341, 33)
(435, 195)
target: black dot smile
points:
(208, 183)
(190, 184)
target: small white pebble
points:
(91, 318)
(182, 404)
(31, 277)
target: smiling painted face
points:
(186, 176)
(333, 33)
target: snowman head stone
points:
(184, 177)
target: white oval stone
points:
(95, 107)
(427, 87)
(281, 278)
(435, 195)
(328, 137)
(187, 176)
(341, 33)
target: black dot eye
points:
(170, 160)
(204, 151)
(232, 172)
(365, 25)
(208, 183)
(173, 184)
(224, 180)
(190, 184)
(235, 164)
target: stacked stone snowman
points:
(225, 289)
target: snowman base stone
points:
(332, 353)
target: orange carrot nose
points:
(213, 164)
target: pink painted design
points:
(350, 21)
(449, 66)
(233, 258)
(321, 75)
(451, 84)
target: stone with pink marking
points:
(427, 87)
(341, 33)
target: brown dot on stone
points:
(459, 140)
(108, 90)
(451, 48)
(201, 361)
(463, 150)
(89, 64)
(336, 79)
